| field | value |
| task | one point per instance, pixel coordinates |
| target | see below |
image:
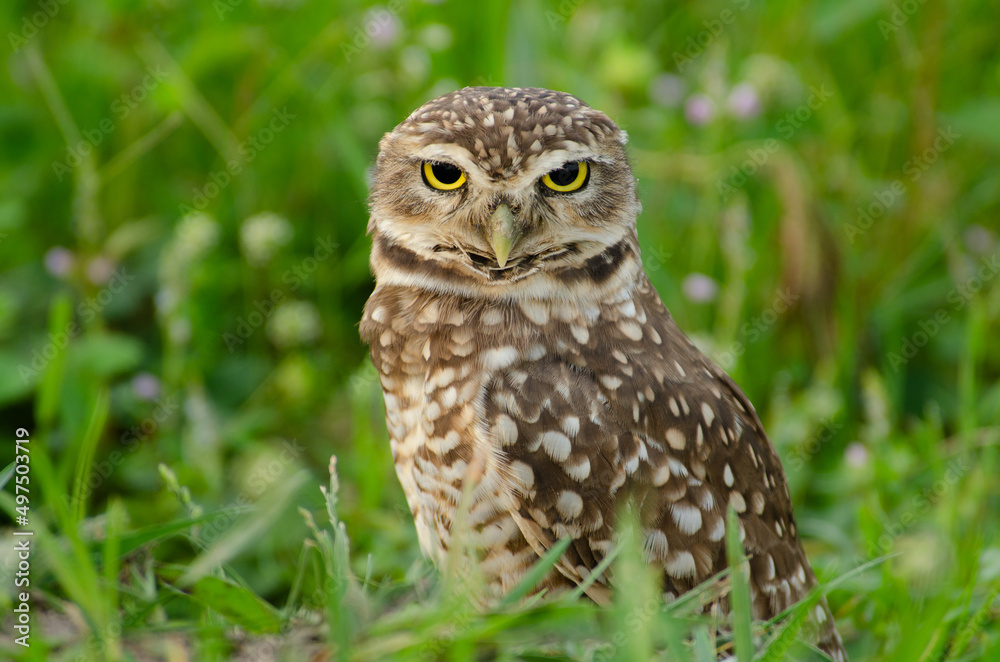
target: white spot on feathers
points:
(707, 413)
(499, 358)
(676, 439)
(687, 517)
(556, 444)
(523, 473)
(569, 505)
(681, 566)
(656, 545)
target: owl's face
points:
(499, 184)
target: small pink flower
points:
(383, 26)
(856, 455)
(146, 386)
(59, 261)
(699, 109)
(99, 270)
(699, 288)
(743, 101)
(979, 240)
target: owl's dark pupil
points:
(565, 175)
(446, 173)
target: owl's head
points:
(491, 186)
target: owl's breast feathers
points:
(562, 408)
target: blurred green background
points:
(184, 264)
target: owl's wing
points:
(560, 441)
(677, 436)
(638, 410)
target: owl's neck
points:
(607, 275)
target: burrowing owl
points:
(526, 359)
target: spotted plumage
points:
(526, 359)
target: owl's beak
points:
(502, 234)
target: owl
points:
(531, 373)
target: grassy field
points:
(183, 264)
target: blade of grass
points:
(777, 648)
(236, 603)
(83, 593)
(598, 570)
(704, 649)
(300, 573)
(134, 539)
(85, 211)
(713, 584)
(121, 161)
(535, 575)
(190, 99)
(111, 565)
(740, 611)
(45, 411)
(823, 589)
(51, 385)
(973, 625)
(246, 530)
(88, 446)
(6, 474)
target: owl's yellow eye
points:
(570, 177)
(443, 176)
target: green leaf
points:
(236, 603)
(15, 385)
(5, 475)
(106, 354)
(976, 121)
(247, 530)
(130, 541)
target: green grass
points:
(185, 378)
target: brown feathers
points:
(556, 386)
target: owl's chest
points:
(433, 382)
